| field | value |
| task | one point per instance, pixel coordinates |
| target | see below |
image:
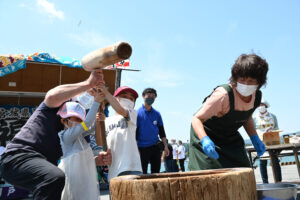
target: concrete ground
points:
(104, 194)
(289, 174)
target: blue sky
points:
(184, 49)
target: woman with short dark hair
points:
(215, 140)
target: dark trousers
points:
(264, 172)
(169, 165)
(150, 155)
(181, 163)
(31, 171)
(175, 165)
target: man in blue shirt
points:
(149, 127)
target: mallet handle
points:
(101, 137)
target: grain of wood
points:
(220, 184)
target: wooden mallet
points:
(103, 57)
(99, 59)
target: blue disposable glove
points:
(258, 145)
(209, 147)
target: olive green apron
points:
(223, 131)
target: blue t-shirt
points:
(40, 134)
(147, 126)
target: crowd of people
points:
(174, 162)
(52, 157)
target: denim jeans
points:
(264, 172)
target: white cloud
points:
(49, 9)
(90, 39)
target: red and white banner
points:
(124, 64)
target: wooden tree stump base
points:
(219, 184)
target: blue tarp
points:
(10, 64)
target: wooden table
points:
(275, 150)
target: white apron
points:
(81, 176)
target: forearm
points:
(249, 127)
(198, 127)
(161, 132)
(90, 119)
(91, 116)
(71, 134)
(115, 104)
(164, 139)
(58, 95)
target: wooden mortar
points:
(219, 184)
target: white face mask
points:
(262, 109)
(126, 103)
(246, 90)
(85, 99)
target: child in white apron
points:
(78, 161)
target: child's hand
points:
(92, 92)
(166, 151)
(99, 97)
(101, 88)
(100, 117)
(104, 158)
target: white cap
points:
(72, 109)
